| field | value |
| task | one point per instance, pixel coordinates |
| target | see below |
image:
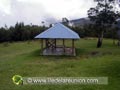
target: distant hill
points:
(79, 22)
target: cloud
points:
(5, 6)
(64, 8)
(35, 11)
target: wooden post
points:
(64, 46)
(55, 43)
(73, 46)
(47, 43)
(41, 52)
(41, 44)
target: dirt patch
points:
(97, 53)
(94, 53)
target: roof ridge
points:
(58, 31)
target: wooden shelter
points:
(49, 38)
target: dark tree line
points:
(20, 32)
(91, 30)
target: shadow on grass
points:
(36, 54)
(80, 54)
(80, 51)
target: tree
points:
(65, 21)
(103, 16)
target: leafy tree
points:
(65, 21)
(103, 16)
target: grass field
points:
(23, 58)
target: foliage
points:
(103, 15)
(20, 32)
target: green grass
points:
(23, 58)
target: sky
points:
(36, 11)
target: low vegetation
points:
(22, 58)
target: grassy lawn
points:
(23, 58)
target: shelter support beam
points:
(64, 45)
(73, 46)
(41, 44)
(55, 43)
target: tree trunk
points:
(113, 41)
(113, 37)
(119, 42)
(100, 39)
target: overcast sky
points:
(35, 11)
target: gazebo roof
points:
(58, 31)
